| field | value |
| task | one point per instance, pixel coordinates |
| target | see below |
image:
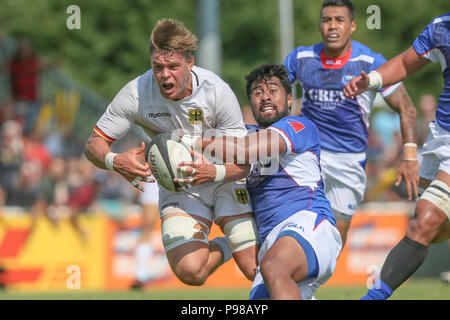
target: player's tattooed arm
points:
(401, 102)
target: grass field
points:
(415, 289)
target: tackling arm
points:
(237, 153)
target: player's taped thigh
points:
(241, 233)
(179, 229)
(438, 193)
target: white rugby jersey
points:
(212, 105)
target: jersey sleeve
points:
(229, 120)
(119, 116)
(290, 64)
(424, 44)
(298, 133)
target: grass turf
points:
(415, 289)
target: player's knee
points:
(271, 269)
(192, 273)
(250, 272)
(442, 235)
(426, 224)
(248, 268)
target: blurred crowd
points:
(43, 170)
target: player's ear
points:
(289, 100)
(353, 26)
(191, 62)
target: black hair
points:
(339, 3)
(267, 71)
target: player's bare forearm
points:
(401, 102)
(130, 164)
(261, 145)
(96, 149)
(236, 171)
(391, 72)
(401, 66)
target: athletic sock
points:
(222, 242)
(400, 264)
(380, 291)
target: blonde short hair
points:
(171, 35)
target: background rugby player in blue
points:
(431, 218)
(296, 227)
(323, 70)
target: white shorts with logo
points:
(344, 180)
(210, 201)
(323, 238)
(435, 152)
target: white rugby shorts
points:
(210, 201)
(320, 241)
(435, 152)
(344, 180)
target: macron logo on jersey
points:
(297, 126)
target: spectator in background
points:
(34, 148)
(24, 69)
(52, 192)
(11, 154)
(7, 111)
(83, 196)
(24, 190)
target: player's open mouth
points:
(168, 87)
(333, 37)
(268, 108)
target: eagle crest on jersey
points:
(241, 196)
(195, 116)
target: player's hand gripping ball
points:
(164, 154)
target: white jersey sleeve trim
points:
(289, 144)
(307, 54)
(388, 90)
(441, 19)
(364, 57)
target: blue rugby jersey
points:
(297, 183)
(342, 122)
(433, 44)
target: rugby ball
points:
(166, 151)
